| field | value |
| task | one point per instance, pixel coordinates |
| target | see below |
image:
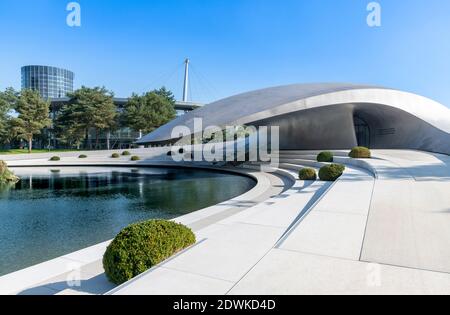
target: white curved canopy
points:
(268, 103)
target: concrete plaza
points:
(382, 228)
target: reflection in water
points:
(48, 214)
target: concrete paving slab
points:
(329, 234)
(88, 279)
(19, 280)
(285, 272)
(90, 254)
(164, 281)
(348, 196)
(287, 208)
(38, 291)
(228, 254)
(72, 292)
(87, 284)
(409, 225)
(245, 233)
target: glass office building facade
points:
(51, 82)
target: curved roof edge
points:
(269, 102)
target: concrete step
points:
(299, 156)
(313, 152)
(293, 167)
(303, 162)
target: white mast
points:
(186, 80)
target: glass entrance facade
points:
(362, 132)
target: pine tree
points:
(69, 128)
(167, 94)
(33, 116)
(89, 108)
(8, 100)
(148, 112)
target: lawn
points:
(25, 151)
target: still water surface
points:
(52, 212)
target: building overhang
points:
(268, 103)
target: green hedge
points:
(325, 157)
(331, 172)
(6, 176)
(307, 174)
(115, 155)
(126, 153)
(360, 153)
(135, 158)
(82, 156)
(55, 158)
(141, 246)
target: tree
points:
(89, 108)
(166, 94)
(148, 112)
(8, 100)
(33, 116)
(69, 128)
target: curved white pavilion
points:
(329, 116)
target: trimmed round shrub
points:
(82, 156)
(331, 172)
(360, 153)
(115, 155)
(141, 246)
(325, 157)
(307, 174)
(6, 176)
(126, 153)
(135, 158)
(55, 158)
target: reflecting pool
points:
(52, 212)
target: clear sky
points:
(235, 45)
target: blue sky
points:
(235, 45)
